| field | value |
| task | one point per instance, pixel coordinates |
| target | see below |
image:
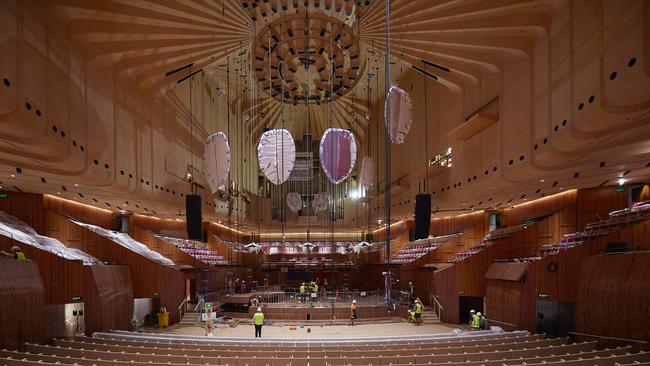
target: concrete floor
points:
(327, 331)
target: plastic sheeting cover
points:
(401, 114)
(367, 172)
(276, 154)
(338, 153)
(294, 201)
(12, 227)
(126, 241)
(216, 159)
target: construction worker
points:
(471, 316)
(483, 324)
(476, 321)
(314, 291)
(16, 253)
(353, 312)
(417, 309)
(258, 322)
(302, 292)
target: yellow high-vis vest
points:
(258, 318)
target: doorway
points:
(467, 303)
(556, 319)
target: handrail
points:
(606, 337)
(436, 305)
(182, 308)
(500, 322)
(436, 301)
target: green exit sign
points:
(543, 295)
(461, 293)
(208, 306)
(619, 189)
(3, 195)
(76, 298)
(156, 293)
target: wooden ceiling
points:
(546, 95)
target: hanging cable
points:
(387, 182)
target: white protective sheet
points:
(400, 117)
(13, 227)
(126, 241)
(216, 159)
(276, 154)
(338, 153)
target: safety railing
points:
(437, 307)
(362, 297)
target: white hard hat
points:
(354, 301)
(472, 311)
(479, 313)
(15, 248)
(259, 309)
(416, 300)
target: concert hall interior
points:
(324, 182)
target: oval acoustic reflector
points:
(367, 172)
(276, 154)
(294, 201)
(216, 159)
(320, 201)
(338, 153)
(400, 116)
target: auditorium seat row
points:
(196, 249)
(490, 239)
(516, 348)
(615, 221)
(420, 248)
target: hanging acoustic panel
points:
(216, 159)
(367, 172)
(320, 201)
(294, 201)
(338, 153)
(398, 112)
(276, 154)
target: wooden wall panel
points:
(445, 290)
(167, 227)
(512, 302)
(539, 207)
(25, 206)
(453, 224)
(108, 298)
(594, 204)
(22, 303)
(80, 212)
(62, 278)
(613, 293)
(171, 285)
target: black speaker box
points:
(422, 216)
(193, 217)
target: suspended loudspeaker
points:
(422, 216)
(193, 217)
